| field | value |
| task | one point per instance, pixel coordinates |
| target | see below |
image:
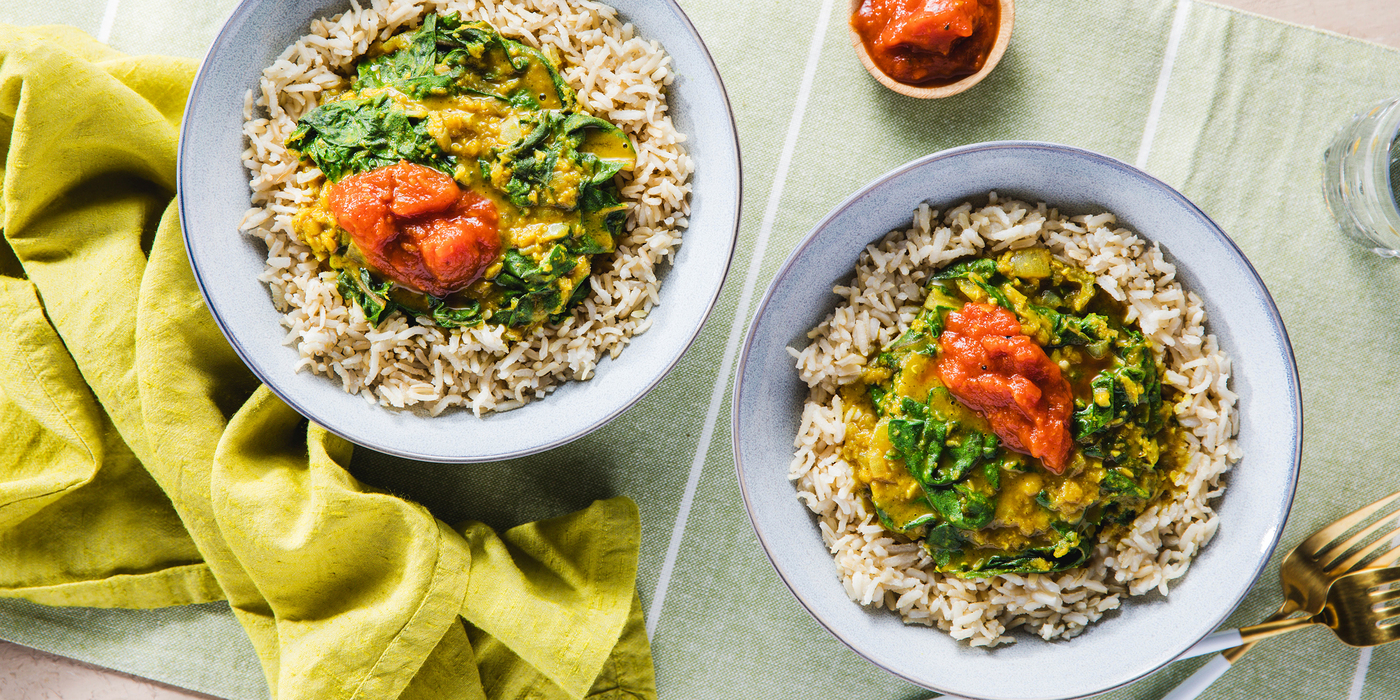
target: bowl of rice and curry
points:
(458, 218)
(1012, 392)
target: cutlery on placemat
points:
(1306, 574)
(1362, 609)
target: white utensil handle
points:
(1200, 680)
(1220, 641)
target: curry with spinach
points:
(462, 180)
(1018, 419)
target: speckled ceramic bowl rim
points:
(787, 267)
(197, 89)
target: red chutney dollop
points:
(414, 225)
(992, 368)
(928, 42)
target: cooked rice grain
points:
(618, 76)
(879, 304)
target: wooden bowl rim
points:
(1007, 23)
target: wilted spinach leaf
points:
(532, 289)
(963, 269)
(459, 317)
(1129, 391)
(436, 57)
(961, 507)
(975, 447)
(533, 161)
(1091, 331)
(981, 272)
(355, 135)
(877, 397)
(1116, 482)
(411, 70)
(373, 299)
(1070, 551)
(943, 543)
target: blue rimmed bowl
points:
(213, 195)
(1149, 631)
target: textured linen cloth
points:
(141, 465)
(1247, 108)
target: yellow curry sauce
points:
(935, 470)
(496, 116)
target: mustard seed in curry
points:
(1018, 418)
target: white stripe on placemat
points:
(741, 317)
(109, 17)
(1183, 8)
(1358, 679)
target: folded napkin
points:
(142, 466)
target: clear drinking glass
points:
(1361, 178)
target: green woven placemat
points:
(1232, 109)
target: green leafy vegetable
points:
(1116, 482)
(1071, 550)
(1099, 414)
(411, 70)
(355, 135)
(944, 542)
(913, 408)
(920, 437)
(936, 304)
(907, 338)
(447, 56)
(530, 171)
(991, 471)
(459, 317)
(360, 289)
(981, 272)
(974, 448)
(1129, 391)
(967, 269)
(532, 289)
(1091, 331)
(877, 398)
(962, 507)
(920, 447)
(575, 298)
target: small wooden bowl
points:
(1008, 21)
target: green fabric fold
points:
(542, 590)
(142, 465)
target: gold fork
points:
(1306, 574)
(1361, 609)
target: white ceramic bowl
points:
(213, 195)
(1149, 631)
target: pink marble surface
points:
(26, 674)
(1372, 20)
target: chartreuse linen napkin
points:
(142, 466)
